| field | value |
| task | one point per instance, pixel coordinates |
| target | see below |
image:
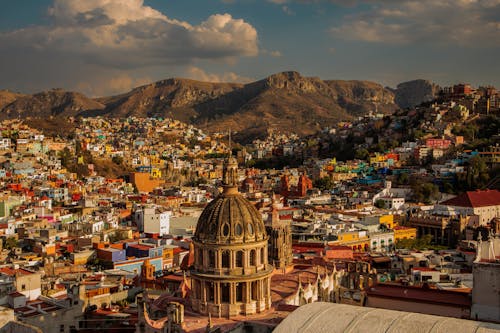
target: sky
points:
(104, 47)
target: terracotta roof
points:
(475, 199)
(416, 294)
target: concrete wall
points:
(486, 291)
(56, 321)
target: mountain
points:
(412, 93)
(285, 101)
(160, 98)
(291, 103)
(7, 97)
(54, 102)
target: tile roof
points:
(475, 199)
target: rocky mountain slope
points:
(54, 102)
(286, 101)
(7, 97)
(412, 93)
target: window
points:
(225, 230)
(238, 229)
(225, 288)
(239, 292)
(253, 258)
(225, 259)
(211, 258)
(23, 287)
(239, 259)
(250, 228)
(210, 292)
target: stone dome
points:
(230, 218)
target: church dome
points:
(230, 218)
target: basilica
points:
(243, 267)
(231, 273)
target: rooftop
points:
(475, 199)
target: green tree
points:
(66, 157)
(380, 204)
(324, 183)
(10, 243)
(425, 192)
(361, 154)
(477, 173)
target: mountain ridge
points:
(285, 101)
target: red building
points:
(437, 143)
(462, 89)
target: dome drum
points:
(231, 259)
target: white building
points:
(486, 272)
(152, 220)
(381, 241)
(484, 204)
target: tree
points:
(380, 204)
(425, 192)
(403, 179)
(477, 173)
(118, 160)
(10, 243)
(324, 183)
(361, 154)
(66, 157)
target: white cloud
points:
(456, 22)
(112, 85)
(197, 73)
(88, 38)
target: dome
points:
(230, 218)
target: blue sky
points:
(104, 47)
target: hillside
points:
(285, 101)
(54, 102)
(163, 97)
(412, 93)
(7, 97)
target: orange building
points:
(144, 182)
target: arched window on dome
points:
(238, 230)
(225, 259)
(225, 289)
(262, 256)
(210, 291)
(255, 287)
(199, 259)
(239, 292)
(239, 259)
(211, 258)
(253, 258)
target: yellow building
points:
(357, 240)
(401, 232)
(378, 158)
(388, 220)
(155, 173)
